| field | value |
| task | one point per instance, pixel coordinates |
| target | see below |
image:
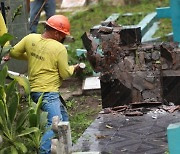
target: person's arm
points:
(19, 51)
(65, 70)
(3, 28)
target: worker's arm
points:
(19, 51)
(65, 70)
(3, 28)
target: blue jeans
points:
(53, 105)
(49, 8)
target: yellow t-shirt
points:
(3, 28)
(47, 62)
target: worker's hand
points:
(76, 67)
(79, 67)
(6, 58)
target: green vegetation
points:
(13, 126)
(21, 125)
(133, 19)
(79, 123)
(81, 115)
(167, 152)
(164, 28)
(4, 49)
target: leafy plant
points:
(4, 49)
(37, 119)
(11, 123)
(70, 104)
(17, 12)
(18, 126)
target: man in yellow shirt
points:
(47, 68)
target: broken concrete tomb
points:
(133, 72)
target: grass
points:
(132, 19)
(81, 115)
(79, 122)
(164, 28)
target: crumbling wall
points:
(131, 72)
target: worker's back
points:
(47, 62)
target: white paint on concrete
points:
(72, 3)
(91, 83)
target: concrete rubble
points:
(132, 72)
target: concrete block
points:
(173, 133)
(72, 3)
(65, 142)
(91, 83)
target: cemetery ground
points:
(83, 108)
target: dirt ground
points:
(71, 91)
(83, 107)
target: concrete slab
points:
(91, 83)
(119, 134)
(72, 3)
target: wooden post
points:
(28, 5)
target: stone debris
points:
(135, 113)
(171, 109)
(100, 136)
(129, 110)
(132, 72)
(108, 126)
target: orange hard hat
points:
(60, 23)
